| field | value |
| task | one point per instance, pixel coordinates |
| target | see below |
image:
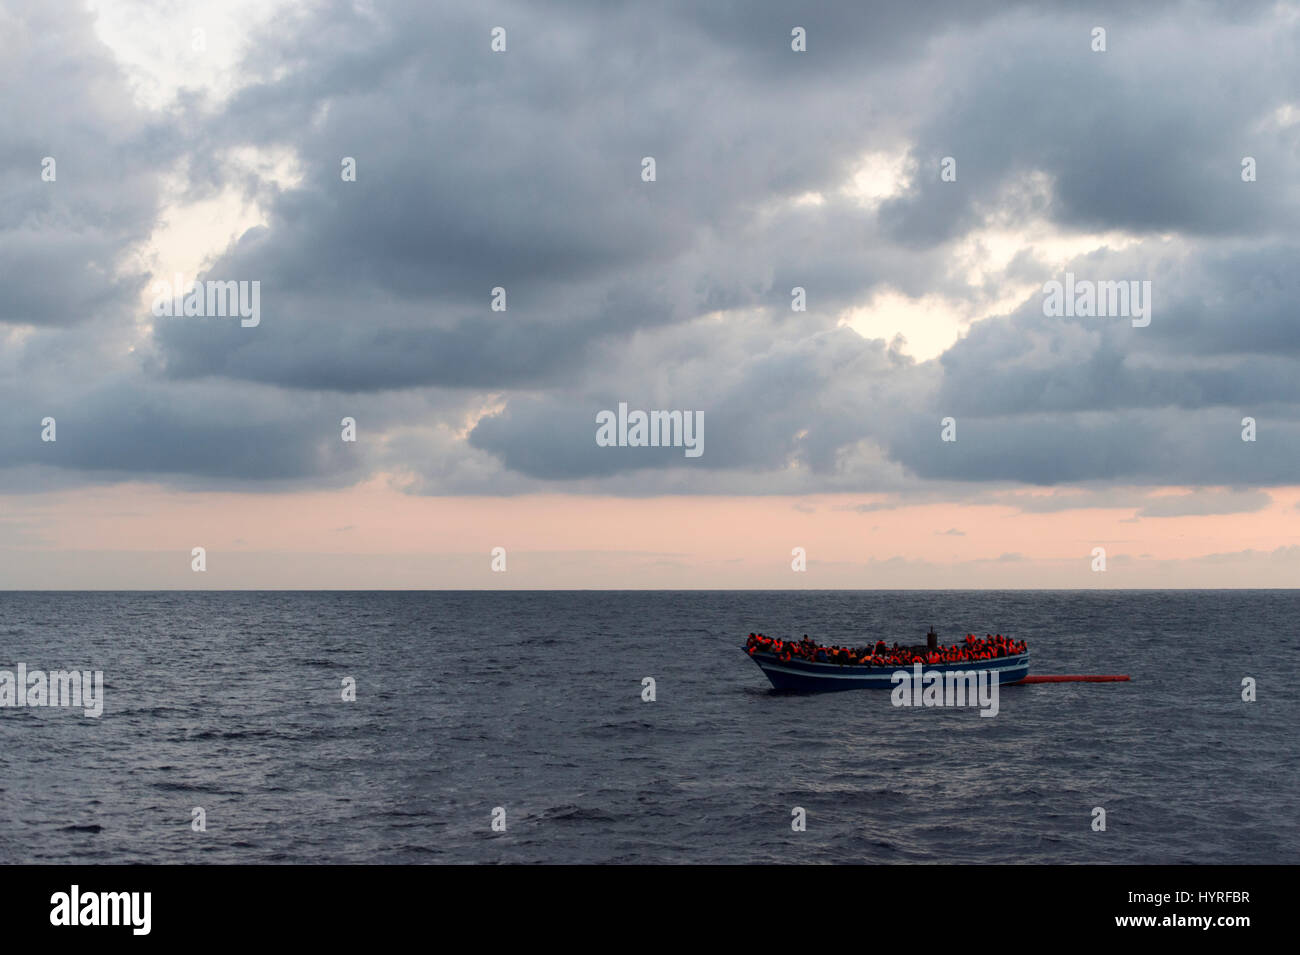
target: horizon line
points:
(570, 590)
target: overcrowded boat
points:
(807, 665)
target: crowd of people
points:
(972, 648)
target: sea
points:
(520, 727)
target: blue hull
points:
(807, 676)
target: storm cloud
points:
(775, 170)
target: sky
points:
(839, 269)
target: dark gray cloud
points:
(66, 241)
(522, 170)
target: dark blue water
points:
(532, 702)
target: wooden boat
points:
(813, 676)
